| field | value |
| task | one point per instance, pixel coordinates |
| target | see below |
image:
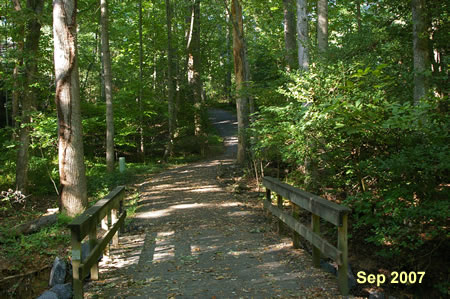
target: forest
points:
(345, 99)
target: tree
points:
(18, 65)
(141, 66)
(420, 49)
(240, 72)
(227, 63)
(106, 56)
(194, 63)
(170, 81)
(289, 34)
(302, 35)
(358, 15)
(322, 25)
(31, 48)
(72, 175)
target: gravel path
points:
(191, 238)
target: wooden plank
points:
(81, 224)
(326, 248)
(343, 267)
(77, 282)
(315, 225)
(327, 210)
(295, 235)
(95, 253)
(280, 206)
(268, 199)
(92, 243)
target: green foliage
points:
(101, 182)
(388, 159)
(44, 242)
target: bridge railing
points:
(320, 208)
(107, 211)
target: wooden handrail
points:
(105, 210)
(320, 208)
(327, 210)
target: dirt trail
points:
(191, 238)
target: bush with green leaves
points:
(385, 158)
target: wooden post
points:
(76, 261)
(106, 225)
(269, 200)
(295, 235)
(114, 218)
(315, 226)
(343, 246)
(280, 206)
(122, 227)
(92, 244)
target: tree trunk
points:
(194, 64)
(302, 35)
(289, 34)
(141, 63)
(322, 25)
(18, 64)
(358, 15)
(31, 48)
(420, 49)
(34, 226)
(227, 81)
(170, 81)
(108, 86)
(240, 76)
(72, 175)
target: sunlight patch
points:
(188, 206)
(209, 188)
(154, 214)
(164, 251)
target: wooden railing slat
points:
(327, 210)
(94, 214)
(86, 224)
(95, 253)
(320, 208)
(326, 248)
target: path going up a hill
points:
(192, 238)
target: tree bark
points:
(302, 35)
(108, 86)
(19, 63)
(194, 64)
(72, 175)
(358, 15)
(227, 79)
(31, 48)
(289, 34)
(240, 72)
(170, 82)
(420, 49)
(34, 226)
(141, 63)
(322, 25)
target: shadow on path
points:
(193, 239)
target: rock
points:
(328, 267)
(63, 291)
(351, 278)
(58, 272)
(376, 295)
(332, 268)
(48, 295)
